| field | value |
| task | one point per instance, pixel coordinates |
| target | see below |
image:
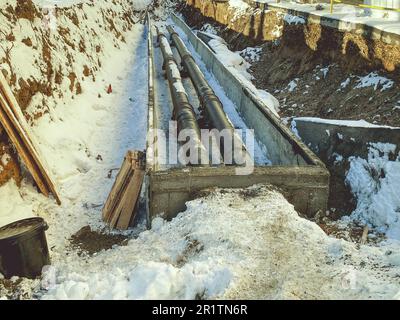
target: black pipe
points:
(183, 111)
(213, 106)
(208, 99)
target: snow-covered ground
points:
(375, 182)
(349, 15)
(229, 244)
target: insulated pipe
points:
(209, 100)
(183, 111)
(213, 106)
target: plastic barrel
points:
(23, 248)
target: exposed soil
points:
(9, 165)
(14, 289)
(193, 247)
(302, 54)
(92, 242)
(34, 92)
(352, 232)
(308, 85)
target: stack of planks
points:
(19, 133)
(121, 206)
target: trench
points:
(165, 107)
(314, 71)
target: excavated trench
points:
(323, 62)
(313, 71)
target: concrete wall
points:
(326, 139)
(306, 187)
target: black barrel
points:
(23, 248)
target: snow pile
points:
(375, 182)
(239, 66)
(232, 244)
(16, 209)
(209, 28)
(292, 85)
(291, 19)
(239, 6)
(346, 123)
(374, 80)
(251, 54)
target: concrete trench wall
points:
(327, 139)
(336, 144)
(306, 188)
(298, 172)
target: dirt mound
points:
(91, 242)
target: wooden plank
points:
(21, 148)
(121, 203)
(25, 141)
(117, 187)
(120, 195)
(132, 194)
(115, 214)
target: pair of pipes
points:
(183, 111)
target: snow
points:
(230, 246)
(251, 54)
(375, 182)
(239, 5)
(12, 204)
(349, 16)
(345, 83)
(291, 19)
(239, 66)
(346, 123)
(374, 80)
(78, 128)
(209, 29)
(292, 85)
(137, 4)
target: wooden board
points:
(24, 141)
(132, 194)
(117, 188)
(121, 205)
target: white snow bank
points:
(375, 182)
(232, 244)
(12, 205)
(239, 66)
(374, 80)
(345, 123)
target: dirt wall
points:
(251, 25)
(313, 70)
